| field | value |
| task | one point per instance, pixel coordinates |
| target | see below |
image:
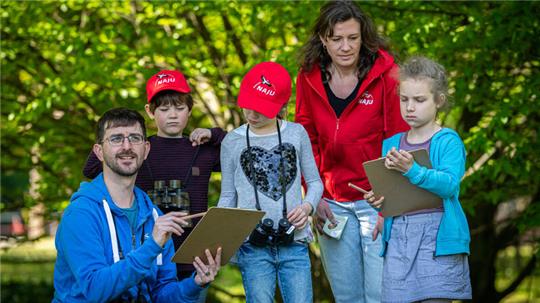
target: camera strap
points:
(190, 170)
(282, 177)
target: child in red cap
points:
(262, 163)
(172, 156)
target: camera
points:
(265, 234)
(171, 198)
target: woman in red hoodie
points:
(347, 101)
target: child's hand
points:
(373, 200)
(299, 215)
(200, 136)
(401, 160)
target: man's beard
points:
(112, 163)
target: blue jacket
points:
(447, 155)
(85, 270)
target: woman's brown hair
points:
(332, 13)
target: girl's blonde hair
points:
(420, 68)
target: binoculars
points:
(265, 234)
(171, 198)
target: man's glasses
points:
(117, 140)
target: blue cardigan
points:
(447, 155)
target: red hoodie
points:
(341, 145)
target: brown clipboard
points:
(220, 227)
(400, 195)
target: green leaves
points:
(66, 63)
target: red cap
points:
(166, 80)
(265, 89)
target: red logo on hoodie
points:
(366, 99)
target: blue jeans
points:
(260, 266)
(352, 264)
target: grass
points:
(26, 274)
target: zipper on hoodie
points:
(133, 239)
(333, 183)
(335, 133)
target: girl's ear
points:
(441, 100)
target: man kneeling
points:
(112, 243)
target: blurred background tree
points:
(64, 63)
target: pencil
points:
(194, 215)
(358, 188)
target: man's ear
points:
(98, 150)
(148, 111)
(147, 148)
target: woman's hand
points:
(299, 215)
(400, 160)
(323, 212)
(374, 201)
(206, 273)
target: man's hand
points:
(166, 225)
(374, 201)
(206, 273)
(299, 215)
(323, 213)
(200, 136)
(400, 160)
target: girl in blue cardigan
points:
(425, 251)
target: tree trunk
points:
(483, 254)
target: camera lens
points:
(267, 225)
(285, 232)
(174, 184)
(284, 225)
(262, 234)
(159, 185)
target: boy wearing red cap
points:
(262, 163)
(172, 156)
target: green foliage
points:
(65, 63)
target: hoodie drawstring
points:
(112, 231)
(160, 256)
(114, 238)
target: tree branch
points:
(414, 10)
(197, 22)
(236, 42)
(207, 108)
